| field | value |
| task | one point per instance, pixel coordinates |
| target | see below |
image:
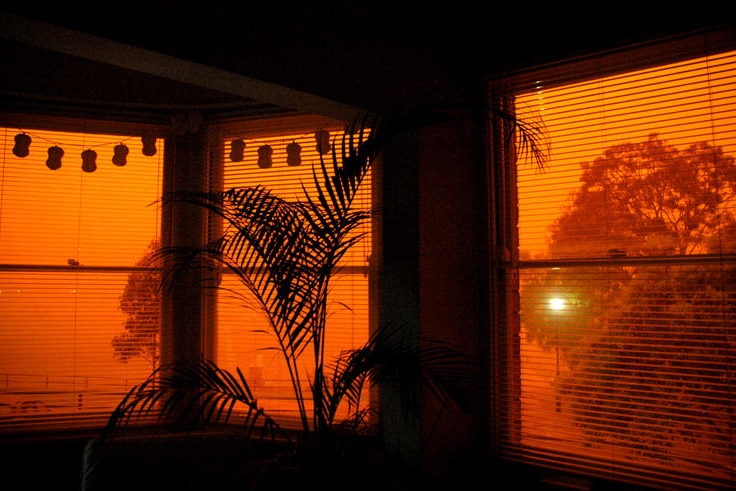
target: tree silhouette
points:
(141, 302)
(646, 346)
(648, 198)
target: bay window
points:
(83, 316)
(616, 360)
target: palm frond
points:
(392, 355)
(198, 392)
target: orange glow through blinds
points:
(244, 338)
(683, 103)
(626, 356)
(69, 239)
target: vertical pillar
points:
(184, 225)
(399, 283)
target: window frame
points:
(505, 263)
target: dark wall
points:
(453, 297)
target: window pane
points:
(673, 124)
(70, 245)
(632, 364)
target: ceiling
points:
(49, 66)
(332, 56)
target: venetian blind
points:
(77, 215)
(622, 366)
(244, 338)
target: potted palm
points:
(285, 252)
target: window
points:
(617, 360)
(77, 215)
(79, 302)
(281, 157)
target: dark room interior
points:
(446, 214)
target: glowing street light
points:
(556, 303)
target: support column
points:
(183, 308)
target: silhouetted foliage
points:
(649, 198)
(285, 252)
(141, 302)
(647, 346)
(661, 372)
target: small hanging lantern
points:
(120, 155)
(236, 150)
(22, 142)
(264, 156)
(323, 141)
(293, 154)
(149, 145)
(54, 160)
(89, 158)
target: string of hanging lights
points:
(89, 156)
(120, 151)
(293, 150)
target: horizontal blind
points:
(244, 339)
(73, 232)
(626, 343)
